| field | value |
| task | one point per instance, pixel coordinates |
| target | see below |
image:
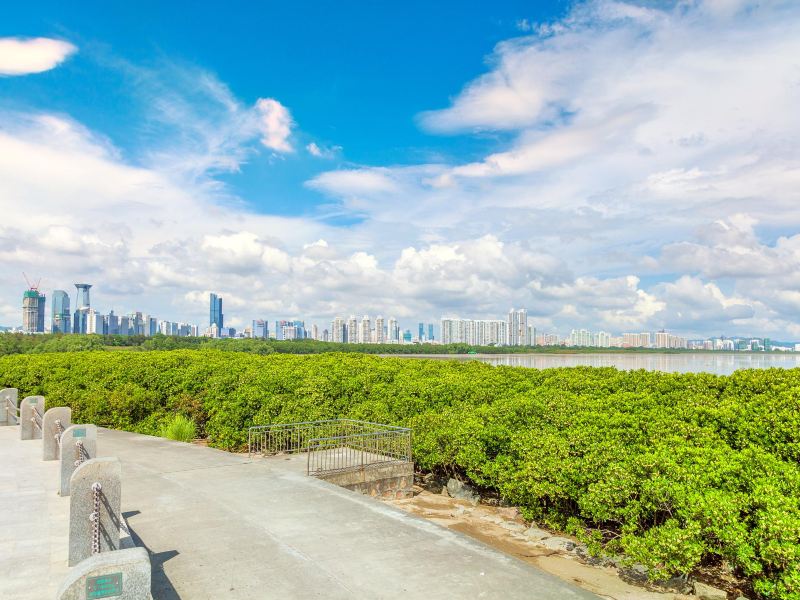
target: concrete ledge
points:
(7, 417)
(384, 481)
(122, 574)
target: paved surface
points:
(34, 527)
(220, 525)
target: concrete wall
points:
(383, 481)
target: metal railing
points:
(335, 445)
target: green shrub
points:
(179, 429)
(674, 470)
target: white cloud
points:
(276, 124)
(23, 56)
(645, 177)
(318, 151)
(645, 144)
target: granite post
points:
(55, 421)
(8, 398)
(31, 411)
(95, 508)
(78, 444)
(122, 574)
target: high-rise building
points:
(518, 327)
(33, 311)
(482, 332)
(215, 314)
(380, 331)
(314, 332)
(82, 306)
(352, 330)
(95, 322)
(366, 330)
(421, 332)
(392, 331)
(430, 332)
(62, 321)
(338, 330)
(82, 300)
(260, 329)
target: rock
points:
(558, 543)
(511, 512)
(706, 592)
(444, 492)
(677, 584)
(636, 573)
(512, 526)
(461, 491)
(536, 534)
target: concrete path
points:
(220, 525)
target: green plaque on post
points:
(79, 432)
(104, 586)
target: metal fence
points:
(334, 446)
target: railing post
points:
(95, 514)
(78, 444)
(31, 409)
(8, 406)
(54, 422)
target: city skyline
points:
(514, 330)
(532, 156)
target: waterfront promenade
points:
(221, 525)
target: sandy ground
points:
(502, 528)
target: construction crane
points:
(31, 286)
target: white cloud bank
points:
(23, 56)
(651, 180)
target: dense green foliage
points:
(17, 343)
(673, 470)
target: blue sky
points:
(354, 74)
(609, 164)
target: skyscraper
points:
(430, 332)
(216, 317)
(366, 330)
(393, 331)
(352, 330)
(62, 322)
(518, 327)
(379, 330)
(82, 306)
(33, 311)
(338, 330)
(421, 336)
(260, 329)
(82, 300)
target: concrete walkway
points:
(220, 525)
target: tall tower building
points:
(430, 332)
(352, 330)
(215, 314)
(82, 306)
(366, 329)
(518, 327)
(380, 332)
(421, 332)
(393, 331)
(338, 330)
(33, 311)
(82, 300)
(62, 322)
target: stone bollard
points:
(95, 515)
(31, 411)
(78, 444)
(55, 421)
(122, 574)
(8, 399)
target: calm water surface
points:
(719, 364)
